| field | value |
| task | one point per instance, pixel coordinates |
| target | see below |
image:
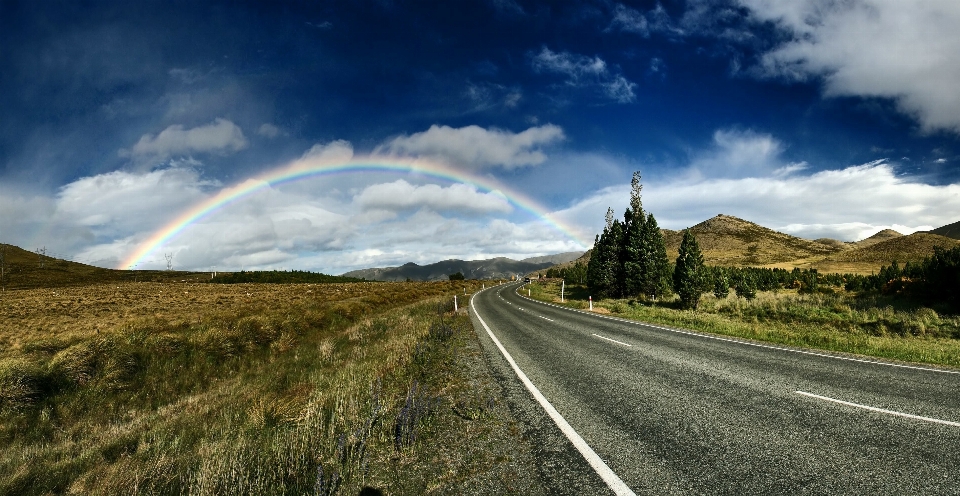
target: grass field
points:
(184, 388)
(834, 322)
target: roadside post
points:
(454, 303)
(591, 303)
(562, 284)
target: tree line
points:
(935, 279)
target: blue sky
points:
(813, 117)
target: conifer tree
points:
(721, 284)
(632, 251)
(655, 279)
(689, 271)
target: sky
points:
(490, 127)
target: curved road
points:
(677, 412)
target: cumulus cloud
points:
(847, 204)
(907, 51)
(401, 195)
(221, 136)
(476, 147)
(338, 150)
(584, 71)
(268, 130)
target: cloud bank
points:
(477, 148)
(221, 136)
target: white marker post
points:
(528, 292)
(562, 284)
(454, 303)
(591, 303)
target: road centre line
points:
(544, 318)
(609, 477)
(613, 340)
(880, 410)
(746, 343)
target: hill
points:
(23, 269)
(494, 268)
(730, 241)
(910, 248)
(880, 237)
(949, 230)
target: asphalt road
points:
(684, 413)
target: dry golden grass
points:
(239, 389)
(76, 312)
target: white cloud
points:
(221, 137)
(627, 19)
(847, 204)
(584, 71)
(401, 195)
(907, 51)
(740, 153)
(476, 147)
(336, 150)
(268, 130)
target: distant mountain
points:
(559, 258)
(494, 268)
(949, 230)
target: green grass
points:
(319, 397)
(836, 322)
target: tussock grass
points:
(295, 389)
(833, 322)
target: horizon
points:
(817, 121)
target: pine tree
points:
(689, 271)
(721, 284)
(632, 252)
(655, 279)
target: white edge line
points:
(880, 410)
(609, 477)
(746, 343)
(614, 340)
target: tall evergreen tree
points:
(655, 277)
(632, 250)
(688, 275)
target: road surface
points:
(675, 412)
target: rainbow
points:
(312, 167)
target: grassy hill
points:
(733, 242)
(910, 248)
(949, 230)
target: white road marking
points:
(613, 340)
(745, 343)
(880, 410)
(544, 318)
(613, 481)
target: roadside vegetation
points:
(908, 314)
(149, 388)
